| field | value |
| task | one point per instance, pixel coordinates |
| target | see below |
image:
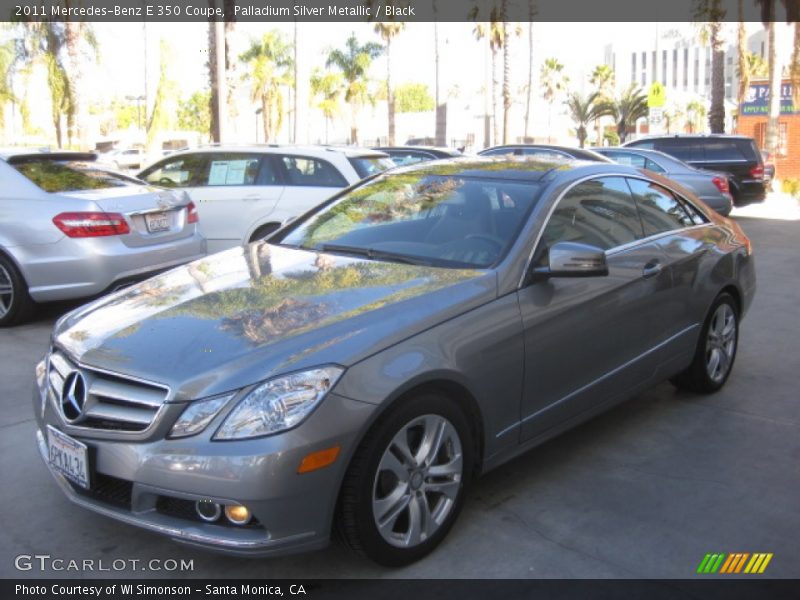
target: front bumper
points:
(293, 512)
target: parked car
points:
(712, 188)
(409, 155)
(544, 151)
(736, 155)
(71, 229)
(361, 366)
(769, 168)
(244, 193)
(123, 158)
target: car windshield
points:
(370, 165)
(419, 218)
(71, 176)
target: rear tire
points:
(716, 349)
(405, 485)
(15, 303)
(264, 231)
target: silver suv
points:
(71, 229)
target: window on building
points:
(633, 67)
(696, 69)
(675, 68)
(685, 68)
(708, 68)
(664, 67)
(654, 62)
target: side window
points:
(722, 149)
(685, 149)
(184, 171)
(407, 158)
(695, 215)
(653, 166)
(660, 210)
(627, 158)
(599, 212)
(233, 169)
(644, 145)
(311, 172)
(544, 153)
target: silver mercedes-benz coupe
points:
(356, 370)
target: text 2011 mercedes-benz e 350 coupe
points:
(356, 370)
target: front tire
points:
(716, 349)
(405, 485)
(15, 303)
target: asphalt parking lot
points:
(645, 490)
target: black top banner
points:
(397, 10)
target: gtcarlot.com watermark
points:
(47, 562)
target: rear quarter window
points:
(685, 149)
(723, 150)
(56, 177)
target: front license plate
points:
(68, 456)
(157, 222)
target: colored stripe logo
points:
(736, 562)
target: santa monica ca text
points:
(129, 589)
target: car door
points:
(677, 228)
(587, 340)
(309, 181)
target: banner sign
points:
(757, 100)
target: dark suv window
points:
(685, 149)
(659, 209)
(599, 212)
(722, 149)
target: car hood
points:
(256, 311)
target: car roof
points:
(515, 168)
(565, 149)
(20, 155)
(442, 149)
(307, 150)
(691, 136)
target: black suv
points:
(736, 155)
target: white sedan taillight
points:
(91, 224)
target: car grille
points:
(107, 489)
(112, 402)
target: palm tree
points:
(529, 88)
(270, 62)
(774, 103)
(327, 88)
(741, 53)
(711, 13)
(493, 33)
(629, 107)
(6, 65)
(508, 30)
(354, 62)
(388, 30)
(603, 79)
(695, 113)
(553, 82)
(584, 109)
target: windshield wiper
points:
(374, 254)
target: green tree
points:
(554, 82)
(164, 114)
(327, 89)
(270, 62)
(6, 66)
(626, 109)
(388, 30)
(194, 113)
(603, 79)
(583, 110)
(695, 114)
(414, 97)
(354, 61)
(712, 15)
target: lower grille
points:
(108, 489)
(184, 509)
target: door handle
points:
(652, 268)
(252, 197)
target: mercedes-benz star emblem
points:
(73, 396)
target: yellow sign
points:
(656, 96)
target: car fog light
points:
(207, 510)
(238, 515)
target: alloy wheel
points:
(721, 342)
(417, 481)
(6, 291)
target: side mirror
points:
(571, 259)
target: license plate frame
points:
(69, 457)
(158, 222)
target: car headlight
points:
(196, 417)
(278, 404)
